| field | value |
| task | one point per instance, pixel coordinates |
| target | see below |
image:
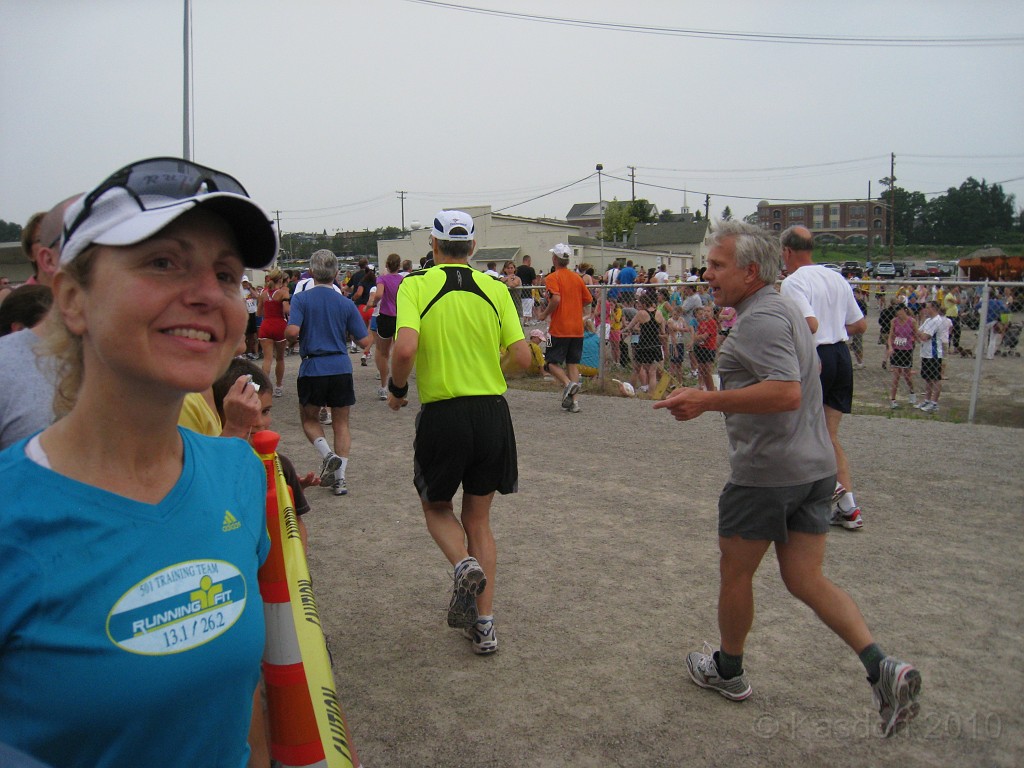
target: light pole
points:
(600, 206)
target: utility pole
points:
(401, 196)
(707, 207)
(632, 181)
(277, 218)
(186, 146)
(870, 220)
(892, 206)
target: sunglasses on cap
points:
(166, 177)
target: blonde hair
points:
(64, 346)
(275, 275)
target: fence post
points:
(602, 308)
(979, 352)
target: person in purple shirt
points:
(386, 296)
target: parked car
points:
(939, 269)
(901, 268)
(852, 269)
(916, 271)
(833, 267)
(885, 270)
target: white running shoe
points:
(896, 694)
(325, 417)
(484, 639)
(278, 392)
(340, 487)
(469, 582)
(382, 393)
(332, 463)
(704, 672)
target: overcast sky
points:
(324, 109)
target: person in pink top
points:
(386, 296)
(900, 348)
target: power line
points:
(748, 37)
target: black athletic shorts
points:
(902, 358)
(836, 376)
(386, 326)
(251, 326)
(564, 350)
(931, 368)
(647, 355)
(704, 355)
(335, 391)
(465, 441)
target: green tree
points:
(618, 221)
(971, 214)
(9, 231)
(908, 221)
(727, 213)
(665, 214)
(640, 210)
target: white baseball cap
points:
(446, 221)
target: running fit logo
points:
(230, 522)
(178, 608)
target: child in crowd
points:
(242, 367)
(705, 344)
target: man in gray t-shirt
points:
(782, 472)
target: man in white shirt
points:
(933, 335)
(832, 315)
(661, 276)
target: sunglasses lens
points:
(177, 179)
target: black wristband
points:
(396, 390)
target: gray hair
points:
(752, 245)
(323, 266)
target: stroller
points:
(1011, 338)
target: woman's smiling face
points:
(166, 312)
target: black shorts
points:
(902, 358)
(252, 326)
(335, 391)
(647, 355)
(931, 368)
(467, 441)
(704, 355)
(836, 376)
(564, 350)
(386, 326)
(769, 514)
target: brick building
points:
(833, 221)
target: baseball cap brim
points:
(123, 222)
(257, 239)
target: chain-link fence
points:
(646, 339)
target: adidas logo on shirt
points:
(230, 522)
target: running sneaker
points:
(278, 392)
(567, 394)
(704, 672)
(575, 407)
(912, 399)
(469, 582)
(896, 693)
(332, 463)
(851, 520)
(340, 487)
(362, 361)
(325, 417)
(930, 407)
(895, 405)
(382, 393)
(484, 639)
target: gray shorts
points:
(769, 514)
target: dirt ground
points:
(608, 577)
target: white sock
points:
(322, 447)
(846, 502)
(339, 473)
